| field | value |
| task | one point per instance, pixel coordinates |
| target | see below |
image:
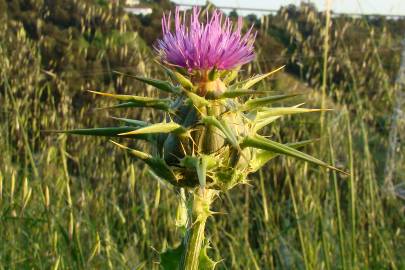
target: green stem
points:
(194, 242)
(199, 211)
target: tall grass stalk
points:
(20, 123)
(299, 226)
(325, 246)
(325, 62)
(353, 192)
(337, 205)
(264, 197)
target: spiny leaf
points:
(213, 74)
(158, 105)
(201, 168)
(250, 82)
(278, 111)
(182, 80)
(222, 126)
(230, 76)
(260, 102)
(157, 165)
(191, 161)
(106, 131)
(137, 101)
(170, 127)
(264, 156)
(162, 85)
(170, 258)
(268, 115)
(260, 122)
(161, 169)
(124, 97)
(177, 76)
(206, 263)
(196, 100)
(241, 92)
(139, 154)
(272, 146)
(132, 122)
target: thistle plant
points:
(209, 139)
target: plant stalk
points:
(199, 211)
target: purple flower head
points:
(202, 46)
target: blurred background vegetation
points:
(79, 203)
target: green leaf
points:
(260, 102)
(156, 105)
(201, 168)
(268, 112)
(241, 92)
(222, 126)
(252, 81)
(177, 76)
(105, 131)
(170, 127)
(189, 162)
(161, 169)
(186, 83)
(132, 122)
(230, 76)
(264, 156)
(162, 85)
(213, 74)
(260, 142)
(267, 115)
(170, 258)
(156, 164)
(196, 100)
(139, 154)
(123, 97)
(261, 124)
(206, 263)
(137, 101)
